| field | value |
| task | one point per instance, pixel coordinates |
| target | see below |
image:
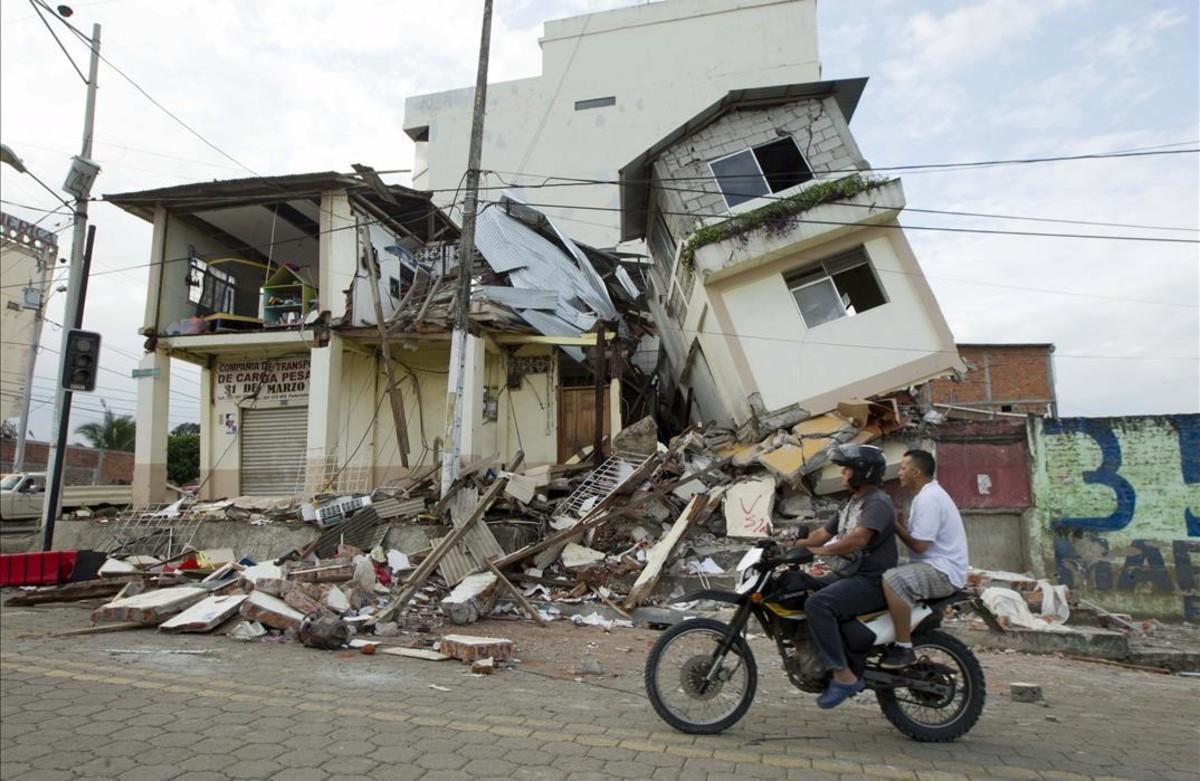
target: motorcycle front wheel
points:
(937, 718)
(678, 682)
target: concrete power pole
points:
(72, 315)
(458, 344)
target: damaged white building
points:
(265, 283)
(782, 281)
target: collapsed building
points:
(276, 287)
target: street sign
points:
(139, 373)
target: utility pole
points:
(466, 255)
(73, 313)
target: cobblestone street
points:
(73, 709)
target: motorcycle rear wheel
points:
(944, 659)
(677, 667)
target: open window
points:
(761, 170)
(841, 286)
(209, 287)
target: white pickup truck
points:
(22, 495)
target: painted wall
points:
(26, 258)
(661, 62)
(1118, 510)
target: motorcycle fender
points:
(884, 630)
(715, 595)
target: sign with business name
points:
(137, 374)
(269, 379)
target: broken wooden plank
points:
(100, 629)
(71, 592)
(426, 567)
(395, 397)
(657, 556)
(515, 593)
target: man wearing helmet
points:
(859, 545)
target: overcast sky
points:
(296, 85)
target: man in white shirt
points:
(937, 543)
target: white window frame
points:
(760, 200)
(827, 278)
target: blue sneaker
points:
(837, 693)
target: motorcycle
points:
(701, 675)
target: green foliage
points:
(186, 428)
(183, 457)
(777, 215)
(115, 432)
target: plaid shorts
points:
(918, 581)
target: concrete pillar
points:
(153, 426)
(324, 413)
(473, 386)
(338, 252)
(207, 433)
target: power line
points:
(946, 229)
(53, 34)
(925, 350)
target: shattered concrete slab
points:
(205, 615)
(152, 607)
(748, 508)
(270, 611)
(473, 598)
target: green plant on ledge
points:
(776, 216)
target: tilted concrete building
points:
(782, 279)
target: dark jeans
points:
(841, 599)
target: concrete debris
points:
(600, 544)
(467, 648)
(205, 615)
(471, 599)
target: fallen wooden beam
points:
(71, 592)
(101, 629)
(426, 567)
(657, 556)
(516, 594)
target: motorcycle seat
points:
(937, 605)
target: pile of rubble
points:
(579, 541)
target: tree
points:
(186, 428)
(183, 456)
(114, 432)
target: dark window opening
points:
(1006, 408)
(842, 286)
(765, 169)
(583, 105)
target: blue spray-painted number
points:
(1105, 474)
(1188, 429)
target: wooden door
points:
(577, 420)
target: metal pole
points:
(73, 313)
(600, 370)
(54, 479)
(466, 254)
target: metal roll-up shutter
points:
(273, 449)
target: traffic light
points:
(82, 361)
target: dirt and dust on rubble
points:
(614, 544)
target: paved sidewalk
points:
(71, 709)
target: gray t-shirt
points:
(874, 510)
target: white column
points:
(153, 425)
(473, 384)
(324, 411)
(207, 421)
(338, 252)
(614, 408)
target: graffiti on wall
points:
(1145, 472)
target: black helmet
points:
(867, 461)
